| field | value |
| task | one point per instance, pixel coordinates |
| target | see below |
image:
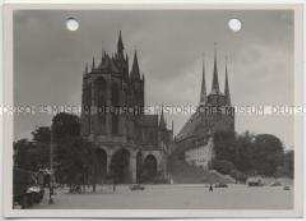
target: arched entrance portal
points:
(150, 169)
(120, 166)
(101, 165)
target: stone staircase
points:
(182, 172)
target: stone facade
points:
(201, 156)
(113, 118)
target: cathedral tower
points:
(215, 112)
(203, 86)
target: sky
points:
(49, 60)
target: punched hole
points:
(234, 24)
(72, 24)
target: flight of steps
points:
(182, 172)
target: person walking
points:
(114, 185)
(211, 188)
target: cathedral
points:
(214, 113)
(132, 146)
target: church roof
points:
(196, 125)
(190, 126)
(108, 62)
(149, 120)
(113, 65)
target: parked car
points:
(36, 193)
(276, 183)
(255, 181)
(221, 185)
(26, 191)
(136, 187)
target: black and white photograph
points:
(154, 109)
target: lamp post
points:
(236, 159)
(51, 168)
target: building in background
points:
(201, 155)
(214, 113)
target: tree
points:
(225, 146)
(75, 157)
(33, 155)
(65, 132)
(77, 162)
(65, 125)
(42, 135)
(269, 154)
(251, 154)
(223, 166)
(24, 155)
(42, 142)
(245, 152)
(288, 166)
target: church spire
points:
(162, 123)
(215, 84)
(203, 86)
(172, 128)
(86, 68)
(93, 63)
(226, 87)
(102, 52)
(120, 46)
(135, 68)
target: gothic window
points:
(86, 108)
(100, 91)
(101, 111)
(84, 95)
(115, 94)
(115, 124)
(87, 95)
(100, 100)
(115, 104)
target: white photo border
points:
(175, 213)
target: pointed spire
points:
(86, 68)
(127, 62)
(135, 68)
(226, 88)
(127, 67)
(215, 84)
(203, 86)
(162, 123)
(102, 52)
(102, 57)
(120, 46)
(93, 63)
